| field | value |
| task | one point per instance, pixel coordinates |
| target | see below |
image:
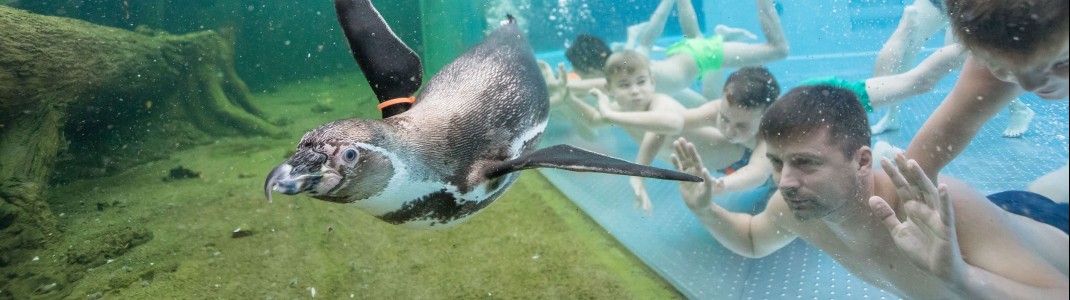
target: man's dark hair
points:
(588, 53)
(1010, 26)
(751, 87)
(806, 110)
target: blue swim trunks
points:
(1034, 206)
(742, 162)
(859, 87)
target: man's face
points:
(813, 175)
(632, 91)
(738, 124)
(1044, 73)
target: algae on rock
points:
(97, 100)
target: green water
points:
(533, 243)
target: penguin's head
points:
(341, 161)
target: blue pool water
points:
(677, 246)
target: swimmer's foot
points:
(732, 34)
(884, 149)
(1021, 116)
(889, 122)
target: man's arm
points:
(976, 98)
(746, 235)
(969, 244)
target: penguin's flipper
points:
(392, 69)
(570, 158)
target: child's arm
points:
(976, 98)
(585, 112)
(702, 116)
(580, 86)
(751, 176)
(663, 117)
(648, 148)
(557, 86)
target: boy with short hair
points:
(1032, 56)
(649, 118)
(919, 22)
(726, 128)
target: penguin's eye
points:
(350, 155)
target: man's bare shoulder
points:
(1004, 243)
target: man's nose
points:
(789, 181)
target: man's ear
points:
(864, 157)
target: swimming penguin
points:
(437, 159)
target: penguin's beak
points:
(280, 180)
(296, 175)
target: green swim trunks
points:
(859, 87)
(708, 53)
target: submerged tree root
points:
(97, 100)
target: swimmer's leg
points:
(688, 19)
(737, 55)
(889, 122)
(889, 90)
(732, 34)
(713, 84)
(919, 21)
(649, 31)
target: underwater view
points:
(654, 149)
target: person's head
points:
(747, 93)
(1021, 41)
(629, 80)
(818, 139)
(588, 55)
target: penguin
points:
(437, 159)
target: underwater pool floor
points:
(673, 243)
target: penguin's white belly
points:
(412, 200)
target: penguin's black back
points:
(496, 80)
(476, 106)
